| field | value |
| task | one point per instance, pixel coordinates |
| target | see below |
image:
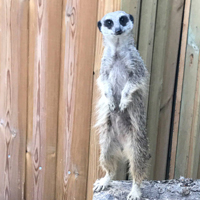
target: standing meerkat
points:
(121, 109)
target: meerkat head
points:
(116, 24)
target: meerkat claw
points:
(101, 184)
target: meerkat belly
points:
(118, 77)
(121, 123)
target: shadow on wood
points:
(168, 189)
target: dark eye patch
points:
(108, 23)
(99, 25)
(123, 20)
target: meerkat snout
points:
(118, 31)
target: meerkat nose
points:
(118, 31)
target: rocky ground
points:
(176, 189)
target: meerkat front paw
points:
(123, 104)
(135, 193)
(101, 184)
(111, 106)
(110, 102)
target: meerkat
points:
(121, 117)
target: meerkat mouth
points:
(119, 33)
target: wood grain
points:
(13, 97)
(198, 173)
(194, 151)
(147, 31)
(146, 34)
(156, 82)
(189, 104)
(170, 67)
(78, 52)
(95, 171)
(44, 67)
(179, 87)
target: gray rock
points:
(176, 189)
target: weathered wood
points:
(13, 97)
(181, 189)
(95, 171)
(146, 39)
(147, 31)
(156, 82)
(170, 67)
(44, 67)
(179, 87)
(188, 117)
(146, 34)
(133, 7)
(78, 39)
(198, 173)
(194, 152)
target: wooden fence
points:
(50, 54)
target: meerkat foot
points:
(101, 184)
(135, 193)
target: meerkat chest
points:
(118, 75)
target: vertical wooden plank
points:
(13, 94)
(188, 119)
(133, 7)
(95, 171)
(75, 98)
(44, 65)
(179, 87)
(156, 83)
(194, 150)
(170, 66)
(198, 174)
(146, 34)
(147, 31)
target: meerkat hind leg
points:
(108, 161)
(102, 183)
(135, 193)
(109, 164)
(137, 171)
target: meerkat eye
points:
(123, 20)
(108, 23)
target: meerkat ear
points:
(99, 24)
(131, 18)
